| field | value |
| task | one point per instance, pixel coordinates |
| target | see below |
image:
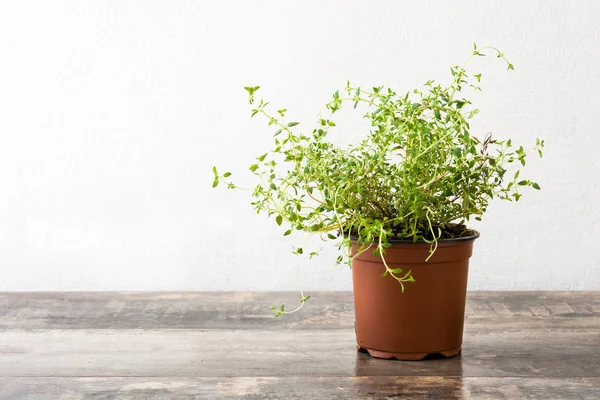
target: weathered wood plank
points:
(323, 388)
(210, 310)
(325, 310)
(244, 353)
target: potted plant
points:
(397, 201)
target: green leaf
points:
(226, 174)
(289, 231)
(272, 186)
(304, 299)
(262, 158)
(214, 170)
(332, 237)
(397, 271)
(253, 167)
(293, 124)
(535, 186)
(251, 89)
(279, 220)
(299, 250)
(215, 183)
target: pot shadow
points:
(435, 376)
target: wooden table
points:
(228, 346)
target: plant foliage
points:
(419, 174)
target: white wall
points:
(112, 114)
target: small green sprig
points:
(418, 174)
(279, 311)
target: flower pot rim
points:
(469, 238)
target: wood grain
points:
(226, 310)
(214, 353)
(320, 388)
(228, 346)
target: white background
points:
(112, 114)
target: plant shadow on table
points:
(434, 376)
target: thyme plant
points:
(418, 175)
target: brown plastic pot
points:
(428, 317)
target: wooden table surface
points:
(517, 345)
